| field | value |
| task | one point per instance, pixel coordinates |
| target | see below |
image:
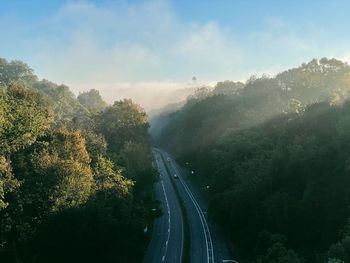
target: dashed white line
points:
(209, 244)
(167, 204)
(169, 214)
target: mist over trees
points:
(274, 153)
(75, 174)
(92, 100)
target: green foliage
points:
(287, 176)
(199, 94)
(63, 194)
(92, 100)
(23, 116)
(275, 154)
(296, 106)
(210, 116)
(8, 183)
(137, 159)
(15, 71)
(65, 159)
(103, 230)
(121, 123)
(108, 179)
(227, 87)
(340, 251)
(96, 145)
(279, 254)
(65, 106)
(334, 260)
(124, 126)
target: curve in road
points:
(206, 237)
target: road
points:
(208, 244)
(166, 244)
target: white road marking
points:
(167, 204)
(209, 244)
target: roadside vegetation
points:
(273, 156)
(76, 174)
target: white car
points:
(175, 176)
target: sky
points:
(162, 44)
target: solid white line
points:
(210, 258)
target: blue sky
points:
(121, 44)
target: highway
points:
(207, 244)
(166, 244)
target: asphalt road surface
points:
(166, 244)
(207, 243)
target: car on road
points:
(175, 176)
(168, 159)
(157, 211)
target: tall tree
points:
(24, 117)
(92, 100)
(123, 122)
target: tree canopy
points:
(275, 153)
(92, 100)
(69, 189)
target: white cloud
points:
(117, 45)
(122, 42)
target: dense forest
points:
(272, 155)
(75, 173)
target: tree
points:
(24, 117)
(92, 100)
(275, 153)
(124, 121)
(200, 94)
(296, 106)
(65, 106)
(277, 253)
(8, 183)
(108, 179)
(227, 87)
(15, 71)
(62, 198)
(62, 169)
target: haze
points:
(174, 131)
(153, 47)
